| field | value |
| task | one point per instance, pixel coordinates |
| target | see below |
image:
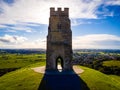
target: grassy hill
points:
(112, 63)
(111, 67)
(99, 81)
(26, 79)
(11, 62)
(19, 60)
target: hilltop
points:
(26, 79)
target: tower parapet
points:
(59, 12)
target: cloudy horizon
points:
(95, 24)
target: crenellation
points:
(52, 9)
(59, 9)
(66, 10)
(59, 12)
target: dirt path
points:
(41, 69)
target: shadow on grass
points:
(65, 80)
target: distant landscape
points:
(103, 60)
(18, 63)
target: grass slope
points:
(115, 77)
(111, 63)
(11, 62)
(20, 60)
(22, 79)
(27, 79)
(99, 81)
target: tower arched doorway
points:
(59, 63)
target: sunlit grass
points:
(20, 60)
(111, 63)
(27, 79)
(99, 81)
(23, 79)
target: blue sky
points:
(95, 24)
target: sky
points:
(95, 24)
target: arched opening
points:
(59, 64)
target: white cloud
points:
(9, 39)
(32, 44)
(17, 27)
(2, 26)
(38, 10)
(97, 41)
(112, 2)
(93, 41)
(17, 42)
(75, 22)
(21, 28)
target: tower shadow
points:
(64, 80)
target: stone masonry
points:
(59, 40)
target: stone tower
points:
(59, 40)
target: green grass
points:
(99, 81)
(22, 79)
(111, 63)
(19, 60)
(115, 77)
(27, 79)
